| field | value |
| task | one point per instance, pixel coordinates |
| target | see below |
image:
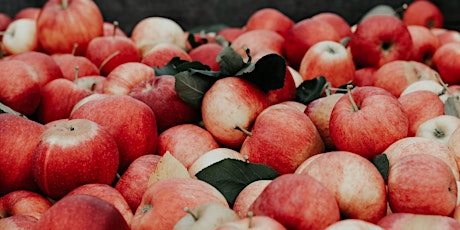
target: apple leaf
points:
(230, 176)
(268, 72)
(382, 164)
(452, 106)
(170, 68)
(168, 167)
(230, 62)
(6, 109)
(310, 90)
(191, 87)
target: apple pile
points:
(277, 124)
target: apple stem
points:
(444, 85)
(64, 4)
(327, 88)
(115, 27)
(245, 131)
(352, 101)
(106, 60)
(74, 50)
(189, 211)
(77, 71)
(246, 158)
(401, 9)
(250, 215)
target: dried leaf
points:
(168, 167)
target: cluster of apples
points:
(91, 137)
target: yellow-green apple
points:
(164, 201)
(258, 41)
(5, 20)
(358, 186)
(107, 193)
(63, 23)
(20, 36)
(285, 93)
(186, 142)
(151, 31)
(43, 64)
(134, 181)
(356, 121)
(269, 19)
(57, 99)
(252, 223)
(420, 106)
(297, 202)
(81, 211)
(93, 83)
(454, 145)
(424, 44)
(213, 156)
(282, 137)
(28, 12)
(423, 13)
(124, 77)
(113, 29)
(231, 33)
(73, 67)
(422, 184)
(23, 202)
(135, 132)
(439, 128)
(247, 196)
(60, 163)
(446, 60)
(20, 89)
(350, 224)
(319, 111)
(206, 216)
(388, 40)
(364, 76)
(396, 76)
(231, 104)
(159, 94)
(18, 222)
(18, 138)
(417, 221)
(338, 22)
(329, 59)
(296, 75)
(108, 52)
(207, 54)
(162, 53)
(303, 35)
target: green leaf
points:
(310, 90)
(230, 176)
(170, 68)
(191, 40)
(452, 106)
(382, 164)
(268, 72)
(191, 87)
(230, 62)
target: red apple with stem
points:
(68, 63)
(124, 77)
(113, 29)
(259, 41)
(423, 13)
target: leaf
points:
(170, 68)
(230, 176)
(382, 164)
(230, 62)
(191, 87)
(5, 109)
(310, 90)
(268, 72)
(168, 167)
(452, 106)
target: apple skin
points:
(124, 77)
(252, 223)
(417, 221)
(20, 90)
(135, 132)
(454, 145)
(348, 130)
(424, 44)
(207, 54)
(329, 59)
(423, 13)
(61, 163)
(5, 20)
(338, 22)
(159, 94)
(259, 41)
(28, 12)
(439, 128)
(269, 19)
(415, 105)
(60, 27)
(358, 186)
(81, 211)
(364, 76)
(93, 83)
(247, 196)
(18, 222)
(20, 36)
(446, 60)
(446, 36)
(19, 136)
(213, 156)
(231, 33)
(379, 39)
(23, 202)
(162, 53)
(350, 224)
(111, 30)
(297, 202)
(163, 202)
(422, 184)
(68, 63)
(240, 101)
(207, 216)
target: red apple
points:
(5, 20)
(247, 196)
(285, 93)
(207, 54)
(417, 221)
(231, 33)
(424, 44)
(454, 146)
(258, 41)
(124, 77)
(113, 29)
(20, 36)
(448, 36)
(72, 153)
(269, 19)
(28, 12)
(364, 76)
(63, 23)
(446, 59)
(338, 22)
(162, 53)
(23, 202)
(253, 223)
(379, 39)
(208, 215)
(69, 63)
(349, 224)
(44, 65)
(18, 222)
(423, 13)
(92, 83)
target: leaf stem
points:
(350, 97)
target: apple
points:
(422, 184)
(445, 60)
(23, 202)
(304, 34)
(207, 54)
(295, 104)
(113, 29)
(439, 128)
(269, 19)
(454, 145)
(252, 223)
(5, 20)
(231, 104)
(379, 39)
(247, 196)
(350, 224)
(447, 36)
(81, 211)
(28, 12)
(329, 59)
(162, 53)
(134, 181)
(429, 85)
(72, 153)
(297, 202)
(338, 22)
(285, 93)
(163, 202)
(417, 111)
(92, 83)
(296, 76)
(20, 89)
(231, 33)
(423, 13)
(358, 186)
(364, 76)
(124, 77)
(186, 142)
(135, 132)
(356, 121)
(151, 31)
(160, 95)
(107, 193)
(424, 44)
(213, 156)
(73, 67)
(18, 222)
(417, 221)
(206, 216)
(258, 41)
(20, 36)
(63, 23)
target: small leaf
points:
(310, 90)
(268, 72)
(230, 176)
(452, 106)
(382, 164)
(168, 167)
(191, 40)
(230, 62)
(191, 87)
(170, 68)
(344, 41)
(5, 109)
